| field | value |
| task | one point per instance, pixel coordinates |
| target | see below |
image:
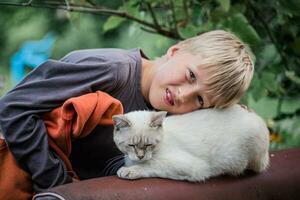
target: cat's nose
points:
(140, 157)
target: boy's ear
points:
(172, 50)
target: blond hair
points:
(229, 63)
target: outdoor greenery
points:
(270, 28)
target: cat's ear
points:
(121, 121)
(157, 118)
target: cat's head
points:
(137, 134)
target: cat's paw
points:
(128, 173)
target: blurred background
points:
(32, 31)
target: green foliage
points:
(4, 80)
(239, 24)
(289, 132)
(112, 22)
(290, 105)
(79, 34)
(225, 4)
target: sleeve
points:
(45, 88)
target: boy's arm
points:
(47, 87)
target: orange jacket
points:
(76, 118)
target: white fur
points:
(199, 145)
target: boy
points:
(213, 69)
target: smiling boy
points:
(213, 69)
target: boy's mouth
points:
(169, 98)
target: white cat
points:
(192, 146)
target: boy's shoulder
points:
(103, 55)
(119, 65)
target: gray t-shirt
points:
(114, 71)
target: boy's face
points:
(177, 85)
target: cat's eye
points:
(154, 125)
(148, 145)
(131, 145)
(118, 128)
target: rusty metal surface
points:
(280, 181)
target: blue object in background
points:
(31, 54)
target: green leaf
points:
(188, 31)
(257, 92)
(239, 24)
(293, 77)
(268, 81)
(196, 13)
(266, 107)
(225, 4)
(296, 46)
(291, 7)
(290, 105)
(290, 125)
(112, 22)
(268, 54)
(130, 7)
(178, 3)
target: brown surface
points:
(280, 181)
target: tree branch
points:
(67, 4)
(186, 11)
(173, 16)
(152, 14)
(28, 3)
(96, 11)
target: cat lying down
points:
(192, 146)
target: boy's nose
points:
(185, 94)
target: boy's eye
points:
(200, 100)
(192, 76)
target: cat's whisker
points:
(115, 158)
(117, 166)
(111, 163)
(113, 167)
(107, 169)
